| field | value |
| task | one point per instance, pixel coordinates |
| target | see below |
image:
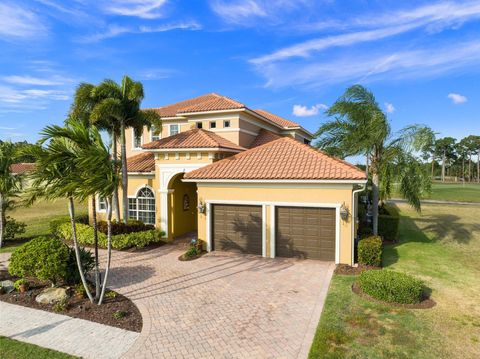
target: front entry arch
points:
(182, 206)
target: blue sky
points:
(293, 58)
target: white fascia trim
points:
(275, 203)
(193, 149)
(212, 111)
(173, 118)
(274, 181)
(147, 174)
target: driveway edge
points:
(316, 314)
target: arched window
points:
(142, 207)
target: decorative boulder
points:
(7, 286)
(51, 296)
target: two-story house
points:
(245, 180)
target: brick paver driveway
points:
(221, 305)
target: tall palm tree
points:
(120, 104)
(10, 184)
(360, 127)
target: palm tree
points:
(360, 127)
(445, 149)
(119, 104)
(10, 184)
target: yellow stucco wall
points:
(318, 194)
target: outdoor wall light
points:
(201, 207)
(344, 212)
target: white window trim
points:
(210, 124)
(136, 205)
(170, 128)
(272, 205)
(98, 205)
(229, 124)
(133, 141)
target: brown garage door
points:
(305, 233)
(237, 228)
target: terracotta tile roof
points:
(19, 168)
(196, 138)
(208, 102)
(282, 159)
(144, 162)
(264, 136)
(277, 119)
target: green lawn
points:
(468, 192)
(440, 246)
(37, 218)
(13, 349)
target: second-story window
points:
(199, 125)
(137, 139)
(156, 134)
(173, 129)
(102, 203)
(226, 123)
(213, 124)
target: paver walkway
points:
(66, 334)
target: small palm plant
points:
(75, 164)
(10, 184)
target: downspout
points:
(354, 192)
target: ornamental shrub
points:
(370, 251)
(388, 227)
(57, 222)
(125, 228)
(13, 228)
(88, 262)
(391, 286)
(44, 258)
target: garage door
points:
(305, 233)
(237, 228)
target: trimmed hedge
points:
(119, 241)
(370, 251)
(121, 228)
(57, 222)
(390, 286)
(44, 258)
(388, 227)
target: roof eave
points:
(319, 181)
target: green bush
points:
(13, 228)
(57, 222)
(388, 227)
(391, 286)
(19, 283)
(120, 241)
(122, 228)
(44, 258)
(370, 251)
(88, 262)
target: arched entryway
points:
(182, 206)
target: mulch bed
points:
(79, 307)
(345, 269)
(426, 303)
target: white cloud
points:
(457, 98)
(362, 67)
(389, 107)
(116, 30)
(13, 96)
(237, 11)
(304, 111)
(432, 17)
(145, 9)
(36, 81)
(19, 22)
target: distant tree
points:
(445, 149)
(360, 127)
(471, 147)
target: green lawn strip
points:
(456, 192)
(10, 246)
(13, 349)
(38, 216)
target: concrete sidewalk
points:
(62, 333)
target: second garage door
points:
(305, 232)
(237, 228)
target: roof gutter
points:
(273, 181)
(354, 192)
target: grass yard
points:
(37, 218)
(468, 192)
(440, 246)
(13, 349)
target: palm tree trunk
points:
(2, 224)
(124, 173)
(469, 167)
(443, 166)
(375, 195)
(116, 201)
(433, 167)
(95, 243)
(478, 166)
(109, 248)
(366, 165)
(463, 169)
(71, 209)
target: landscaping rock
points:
(7, 286)
(52, 295)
